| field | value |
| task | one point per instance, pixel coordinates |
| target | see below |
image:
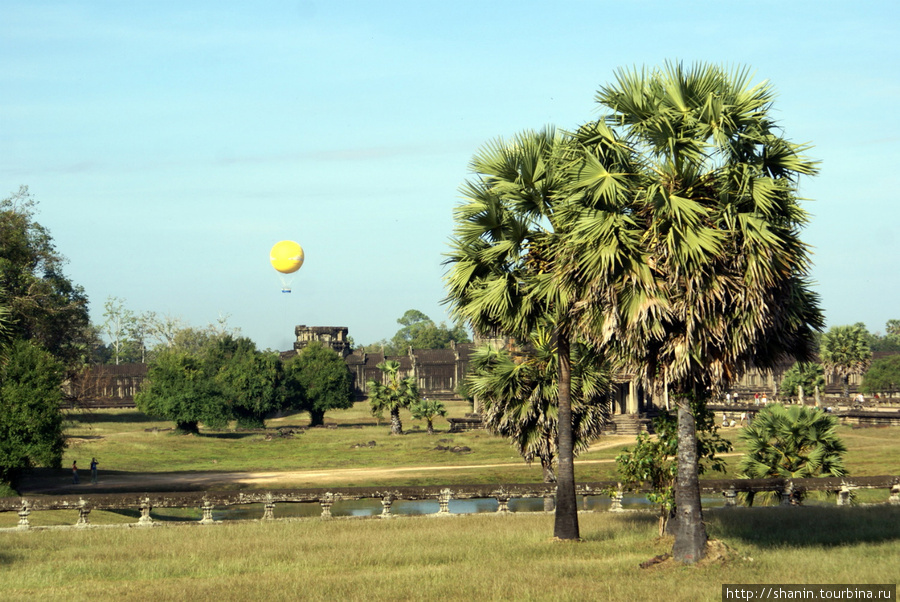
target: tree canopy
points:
(225, 379)
(321, 380)
(31, 425)
(179, 388)
(883, 376)
(844, 350)
(44, 306)
(808, 375)
(418, 331)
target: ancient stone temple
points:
(330, 336)
(438, 372)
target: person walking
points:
(75, 472)
(93, 471)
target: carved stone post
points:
(894, 500)
(145, 519)
(326, 501)
(23, 516)
(386, 503)
(843, 496)
(444, 501)
(83, 511)
(787, 493)
(730, 497)
(617, 497)
(207, 513)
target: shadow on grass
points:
(93, 416)
(806, 526)
(48, 481)
(232, 435)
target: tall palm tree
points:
(396, 394)
(844, 350)
(511, 267)
(519, 389)
(792, 442)
(716, 210)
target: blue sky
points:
(171, 144)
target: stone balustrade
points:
(208, 501)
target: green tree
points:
(844, 350)
(397, 393)
(250, 380)
(652, 460)
(118, 324)
(519, 392)
(792, 442)
(320, 382)
(31, 426)
(420, 332)
(427, 410)
(179, 388)
(724, 282)
(889, 341)
(808, 375)
(44, 305)
(883, 377)
(5, 329)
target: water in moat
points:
(373, 507)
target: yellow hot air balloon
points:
(286, 257)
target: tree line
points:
(848, 351)
(210, 375)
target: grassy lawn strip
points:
(463, 558)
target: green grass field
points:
(125, 440)
(474, 557)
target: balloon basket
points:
(285, 290)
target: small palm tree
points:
(792, 442)
(806, 375)
(397, 393)
(427, 409)
(519, 390)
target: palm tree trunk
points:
(396, 425)
(566, 525)
(690, 533)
